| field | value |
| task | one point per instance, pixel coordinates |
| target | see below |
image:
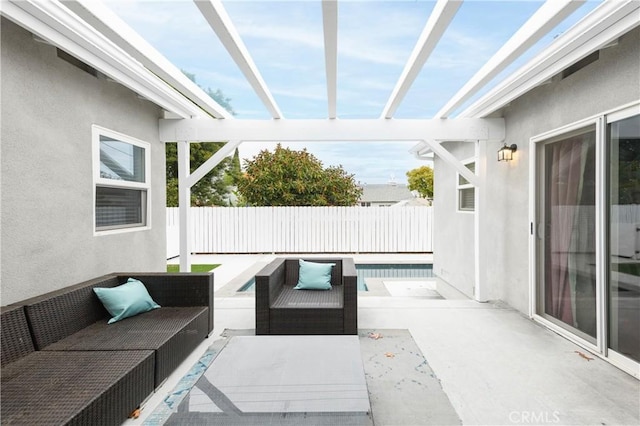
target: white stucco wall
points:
(453, 256)
(47, 230)
(610, 82)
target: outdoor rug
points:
(245, 379)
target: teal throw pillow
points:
(126, 300)
(314, 276)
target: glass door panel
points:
(568, 249)
(624, 237)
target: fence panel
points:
(304, 230)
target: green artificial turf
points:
(194, 268)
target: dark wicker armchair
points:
(282, 310)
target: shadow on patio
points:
(494, 365)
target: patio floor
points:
(495, 365)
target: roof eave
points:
(59, 26)
(122, 35)
(606, 23)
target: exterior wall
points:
(47, 229)
(610, 82)
(453, 253)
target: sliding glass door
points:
(586, 238)
(624, 236)
(567, 296)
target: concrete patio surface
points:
(495, 365)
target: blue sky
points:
(375, 39)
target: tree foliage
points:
(213, 189)
(235, 171)
(628, 178)
(295, 178)
(216, 95)
(421, 180)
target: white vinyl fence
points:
(304, 230)
(579, 221)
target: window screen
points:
(466, 191)
(467, 200)
(121, 181)
(118, 207)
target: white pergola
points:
(94, 34)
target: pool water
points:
(399, 270)
(366, 270)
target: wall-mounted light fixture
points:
(506, 152)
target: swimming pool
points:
(377, 270)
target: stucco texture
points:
(47, 230)
(453, 231)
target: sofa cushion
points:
(126, 300)
(75, 387)
(145, 331)
(172, 332)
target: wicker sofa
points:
(63, 364)
(280, 309)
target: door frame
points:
(536, 185)
(611, 355)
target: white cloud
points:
(313, 93)
(288, 36)
(221, 80)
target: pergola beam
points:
(436, 147)
(123, 36)
(213, 161)
(220, 22)
(330, 27)
(186, 180)
(550, 14)
(202, 130)
(439, 20)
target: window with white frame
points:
(122, 184)
(466, 191)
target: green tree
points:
(295, 178)
(235, 171)
(216, 95)
(421, 180)
(213, 189)
(628, 172)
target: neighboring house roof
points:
(385, 193)
(414, 202)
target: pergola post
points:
(186, 180)
(478, 180)
(184, 203)
(480, 290)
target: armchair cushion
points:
(314, 276)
